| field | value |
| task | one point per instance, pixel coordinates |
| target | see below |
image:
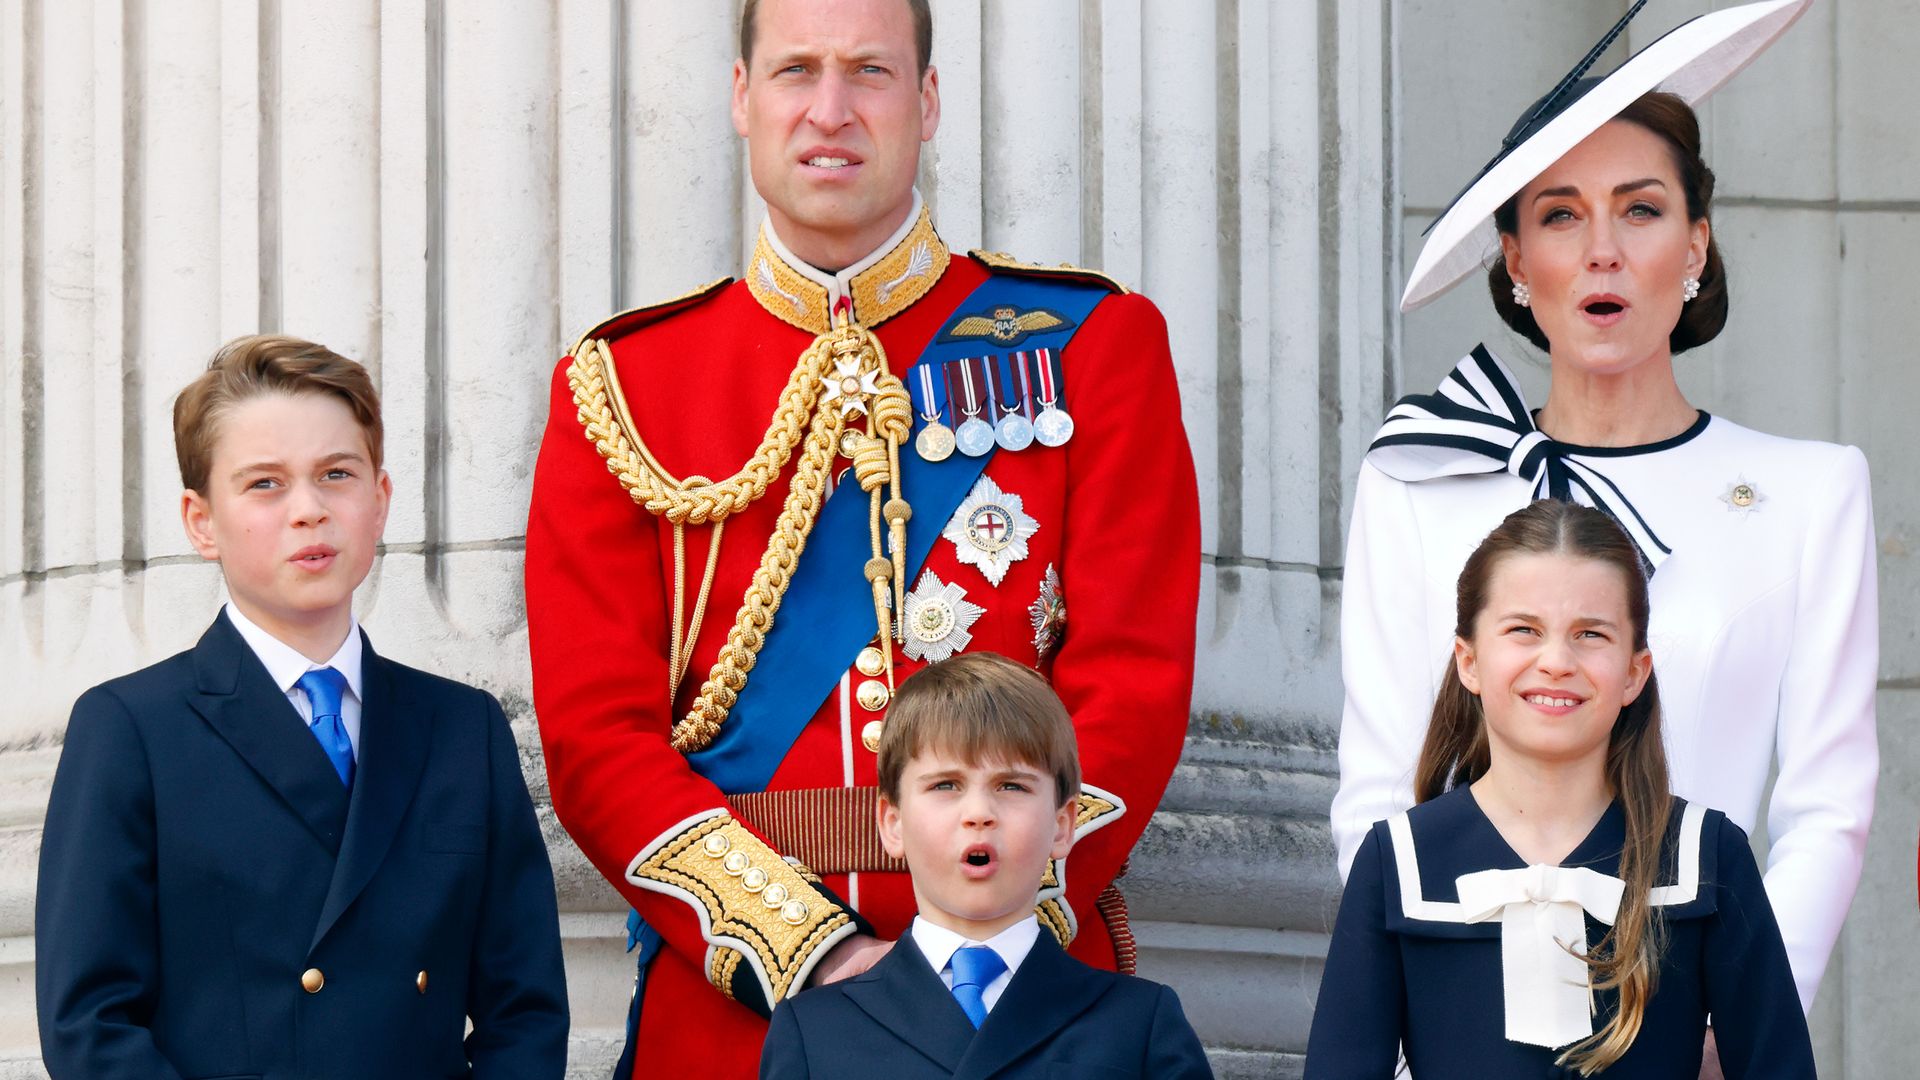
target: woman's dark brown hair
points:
(1703, 317)
(1456, 752)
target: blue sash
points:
(826, 617)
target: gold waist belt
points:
(830, 830)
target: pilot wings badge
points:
(1004, 324)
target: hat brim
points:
(1690, 61)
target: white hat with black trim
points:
(1690, 61)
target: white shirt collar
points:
(939, 943)
(285, 664)
(841, 284)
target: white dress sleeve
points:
(1827, 750)
(1383, 660)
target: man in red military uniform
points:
(759, 506)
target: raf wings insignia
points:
(1006, 325)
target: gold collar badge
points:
(890, 286)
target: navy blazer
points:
(212, 903)
(1057, 1018)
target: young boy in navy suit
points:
(979, 784)
(280, 854)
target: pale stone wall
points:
(450, 192)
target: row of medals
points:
(977, 438)
(937, 442)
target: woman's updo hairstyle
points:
(1703, 317)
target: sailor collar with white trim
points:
(883, 284)
(1428, 849)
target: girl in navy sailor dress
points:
(1547, 909)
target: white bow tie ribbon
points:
(1543, 941)
(1478, 422)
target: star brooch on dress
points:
(990, 530)
(1742, 497)
(939, 620)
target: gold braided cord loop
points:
(603, 413)
(893, 410)
(803, 421)
(729, 675)
(870, 466)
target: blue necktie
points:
(973, 968)
(324, 687)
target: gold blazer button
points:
(311, 980)
(420, 981)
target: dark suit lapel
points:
(1044, 995)
(394, 733)
(237, 698)
(904, 995)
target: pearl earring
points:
(1524, 296)
(1690, 288)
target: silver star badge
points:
(1742, 497)
(938, 620)
(990, 530)
(849, 387)
(1049, 615)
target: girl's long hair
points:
(1456, 752)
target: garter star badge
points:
(1049, 615)
(990, 530)
(939, 620)
(1742, 497)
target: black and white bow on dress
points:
(1477, 422)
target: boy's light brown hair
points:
(980, 707)
(256, 366)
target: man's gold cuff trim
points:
(1056, 916)
(1098, 809)
(752, 903)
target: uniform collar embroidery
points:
(1477, 422)
(880, 286)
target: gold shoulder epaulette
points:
(1007, 264)
(632, 319)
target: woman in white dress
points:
(1764, 624)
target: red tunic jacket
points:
(1118, 522)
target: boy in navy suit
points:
(979, 785)
(280, 854)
